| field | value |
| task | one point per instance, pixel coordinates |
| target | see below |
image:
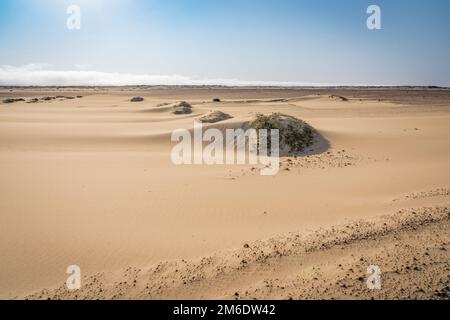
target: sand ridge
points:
(293, 266)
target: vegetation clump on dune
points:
(340, 98)
(295, 134)
(12, 100)
(137, 99)
(215, 116)
(182, 108)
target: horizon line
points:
(200, 86)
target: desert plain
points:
(86, 179)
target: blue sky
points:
(284, 41)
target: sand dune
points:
(89, 181)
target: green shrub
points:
(295, 134)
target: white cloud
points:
(43, 75)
